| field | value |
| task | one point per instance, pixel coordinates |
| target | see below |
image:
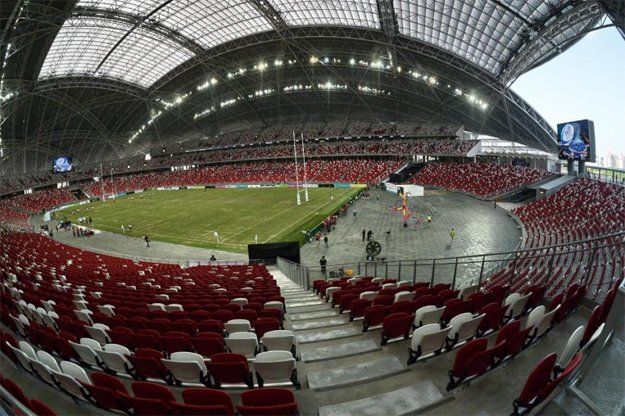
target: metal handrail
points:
(478, 268)
(621, 233)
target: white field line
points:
(261, 221)
(275, 215)
(298, 221)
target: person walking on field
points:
(123, 229)
(364, 233)
(452, 234)
(147, 240)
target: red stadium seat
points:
(268, 401)
(208, 397)
(536, 382)
(374, 315)
(230, 368)
(396, 325)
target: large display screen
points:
(576, 140)
(62, 164)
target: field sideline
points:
(191, 217)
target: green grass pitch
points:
(190, 217)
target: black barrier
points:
(269, 252)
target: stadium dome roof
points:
(108, 78)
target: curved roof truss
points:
(498, 37)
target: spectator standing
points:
(325, 240)
(146, 239)
(213, 258)
(364, 233)
(452, 234)
(323, 263)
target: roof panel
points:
(80, 46)
(136, 7)
(144, 57)
(481, 31)
(363, 13)
(212, 22)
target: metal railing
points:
(595, 262)
(295, 272)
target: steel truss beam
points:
(616, 10)
(266, 9)
(388, 20)
(99, 83)
(552, 37)
(142, 22)
(312, 33)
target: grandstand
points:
(144, 144)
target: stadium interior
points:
(475, 263)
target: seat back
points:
(208, 397)
(42, 370)
(106, 398)
(536, 381)
(238, 325)
(404, 295)
(545, 323)
(535, 317)
(229, 368)
(429, 338)
(464, 355)
(368, 295)
(244, 343)
(508, 330)
(267, 397)
(592, 325)
(571, 347)
(207, 346)
(396, 324)
(517, 307)
(74, 370)
(428, 314)
(467, 329)
(48, 360)
(151, 390)
(375, 314)
(358, 307)
(280, 339)
(263, 325)
(275, 366)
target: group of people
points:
(319, 238)
(368, 235)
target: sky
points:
(585, 82)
